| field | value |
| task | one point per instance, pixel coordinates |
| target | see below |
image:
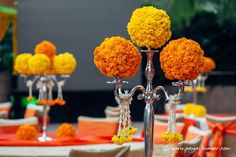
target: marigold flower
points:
(149, 27)
(181, 59)
(131, 130)
(26, 132)
(64, 63)
(201, 89)
(30, 98)
(121, 139)
(65, 130)
(172, 137)
(39, 64)
(208, 65)
(21, 63)
(195, 109)
(117, 57)
(47, 48)
(60, 102)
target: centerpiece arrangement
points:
(45, 69)
(118, 58)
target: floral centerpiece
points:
(43, 67)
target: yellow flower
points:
(131, 130)
(149, 27)
(188, 89)
(64, 63)
(121, 139)
(201, 89)
(199, 111)
(47, 48)
(208, 65)
(188, 109)
(65, 130)
(181, 59)
(172, 137)
(26, 132)
(117, 57)
(21, 63)
(39, 64)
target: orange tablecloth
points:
(10, 140)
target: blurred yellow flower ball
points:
(149, 27)
(39, 64)
(21, 63)
(64, 63)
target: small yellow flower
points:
(131, 130)
(199, 111)
(172, 137)
(149, 27)
(188, 109)
(26, 132)
(201, 89)
(64, 63)
(181, 59)
(39, 64)
(21, 63)
(188, 89)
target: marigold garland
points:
(117, 57)
(172, 137)
(181, 59)
(21, 63)
(65, 130)
(26, 132)
(39, 64)
(47, 48)
(64, 63)
(208, 65)
(149, 27)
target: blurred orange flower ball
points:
(181, 59)
(208, 65)
(47, 48)
(65, 130)
(26, 132)
(117, 57)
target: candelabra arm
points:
(162, 89)
(139, 87)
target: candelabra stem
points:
(148, 129)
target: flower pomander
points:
(195, 109)
(65, 130)
(21, 63)
(64, 63)
(39, 64)
(172, 137)
(181, 59)
(149, 27)
(208, 65)
(47, 48)
(26, 132)
(117, 57)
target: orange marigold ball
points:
(117, 57)
(47, 48)
(65, 130)
(26, 132)
(181, 59)
(208, 65)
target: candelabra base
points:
(44, 139)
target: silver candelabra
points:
(45, 84)
(149, 95)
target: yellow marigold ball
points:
(199, 111)
(188, 109)
(181, 59)
(26, 132)
(64, 63)
(65, 130)
(39, 64)
(47, 48)
(208, 65)
(21, 63)
(149, 27)
(117, 57)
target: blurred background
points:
(78, 26)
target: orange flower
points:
(117, 57)
(26, 132)
(60, 102)
(65, 130)
(181, 59)
(208, 65)
(47, 48)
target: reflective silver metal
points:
(45, 84)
